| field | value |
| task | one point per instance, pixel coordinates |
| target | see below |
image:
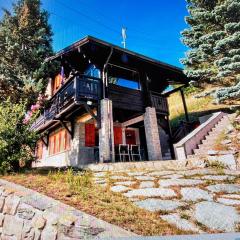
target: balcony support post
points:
(184, 105)
(45, 141)
(106, 137)
(152, 134)
(70, 131)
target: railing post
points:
(184, 105)
(77, 88)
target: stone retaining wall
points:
(26, 214)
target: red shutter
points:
(117, 135)
(89, 135)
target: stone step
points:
(198, 151)
(207, 142)
(205, 148)
(211, 138)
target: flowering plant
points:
(35, 108)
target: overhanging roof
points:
(88, 39)
(160, 71)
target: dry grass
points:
(196, 107)
(218, 145)
(80, 192)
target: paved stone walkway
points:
(199, 200)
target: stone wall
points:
(26, 214)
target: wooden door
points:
(117, 135)
(89, 135)
(130, 136)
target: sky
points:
(153, 26)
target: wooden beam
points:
(133, 121)
(90, 111)
(70, 131)
(184, 105)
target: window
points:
(57, 83)
(39, 149)
(59, 142)
(123, 77)
(92, 71)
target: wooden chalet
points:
(107, 104)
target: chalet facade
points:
(108, 104)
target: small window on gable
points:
(92, 71)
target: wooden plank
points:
(133, 121)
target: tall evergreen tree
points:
(25, 42)
(213, 37)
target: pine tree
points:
(213, 37)
(25, 42)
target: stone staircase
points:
(202, 139)
(211, 138)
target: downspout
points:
(104, 74)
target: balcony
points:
(79, 89)
(160, 103)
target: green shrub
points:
(17, 141)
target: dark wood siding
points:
(126, 98)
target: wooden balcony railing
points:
(79, 88)
(160, 103)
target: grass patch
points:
(78, 189)
(218, 166)
(218, 145)
(184, 216)
(195, 107)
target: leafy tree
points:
(213, 37)
(25, 40)
(16, 139)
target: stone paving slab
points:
(135, 173)
(161, 173)
(226, 188)
(217, 177)
(180, 223)
(126, 183)
(151, 192)
(144, 178)
(173, 176)
(217, 216)
(228, 201)
(182, 189)
(219, 236)
(119, 188)
(179, 182)
(231, 196)
(154, 205)
(146, 184)
(195, 194)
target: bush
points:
(17, 141)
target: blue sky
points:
(153, 26)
